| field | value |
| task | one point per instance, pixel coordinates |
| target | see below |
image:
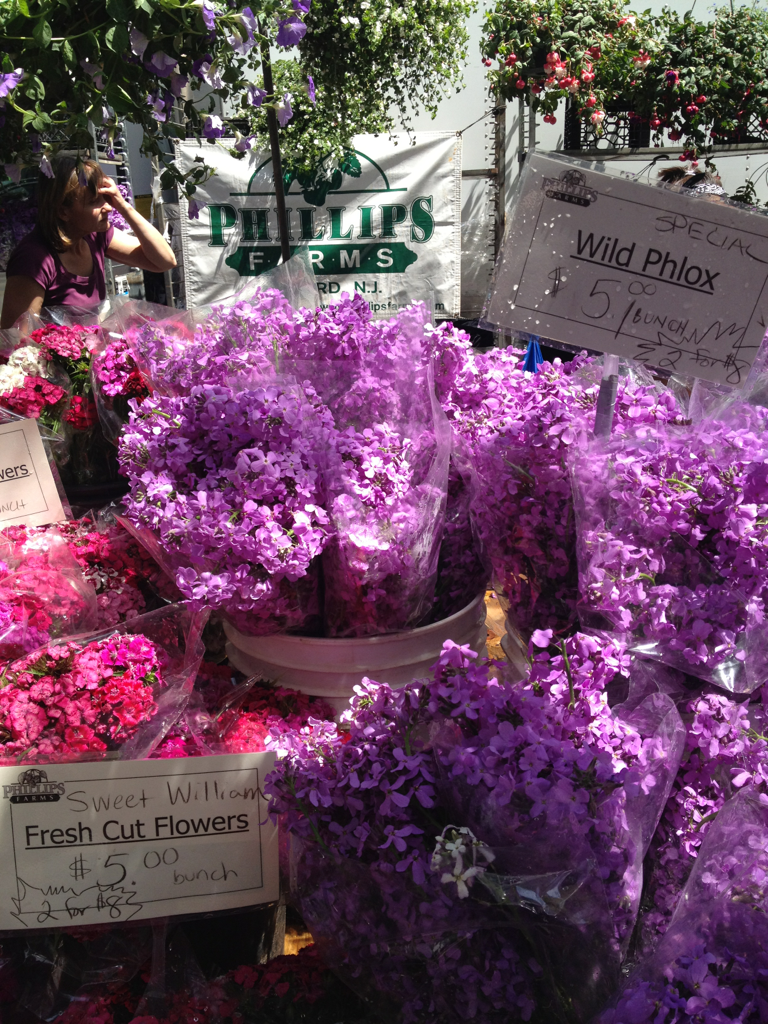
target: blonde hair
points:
(63, 189)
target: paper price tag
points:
(600, 262)
(28, 494)
(126, 840)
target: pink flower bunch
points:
(68, 342)
(116, 370)
(37, 399)
(268, 714)
(221, 719)
(120, 570)
(82, 413)
(17, 634)
(42, 591)
(67, 700)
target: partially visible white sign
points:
(600, 262)
(126, 840)
(28, 494)
(386, 226)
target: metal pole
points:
(274, 145)
(520, 135)
(500, 162)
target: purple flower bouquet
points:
(227, 489)
(672, 552)
(712, 964)
(520, 428)
(725, 750)
(475, 850)
(274, 436)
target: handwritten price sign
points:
(600, 262)
(120, 841)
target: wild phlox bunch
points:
(229, 483)
(519, 429)
(673, 549)
(542, 781)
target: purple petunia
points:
(283, 109)
(9, 81)
(213, 127)
(161, 63)
(290, 31)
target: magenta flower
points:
(250, 26)
(243, 142)
(161, 103)
(209, 13)
(178, 83)
(311, 89)
(672, 77)
(139, 42)
(211, 75)
(198, 64)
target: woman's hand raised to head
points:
(147, 248)
(109, 191)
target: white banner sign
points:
(126, 840)
(387, 226)
(601, 262)
(28, 494)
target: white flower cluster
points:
(456, 854)
(26, 361)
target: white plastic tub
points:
(331, 668)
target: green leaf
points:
(92, 45)
(34, 88)
(119, 99)
(41, 122)
(120, 10)
(23, 8)
(67, 53)
(29, 116)
(117, 38)
(42, 33)
(144, 5)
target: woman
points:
(61, 261)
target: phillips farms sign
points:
(387, 225)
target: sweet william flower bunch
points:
(222, 718)
(438, 850)
(43, 592)
(102, 555)
(25, 388)
(116, 379)
(67, 701)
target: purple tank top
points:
(32, 258)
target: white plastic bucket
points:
(331, 668)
